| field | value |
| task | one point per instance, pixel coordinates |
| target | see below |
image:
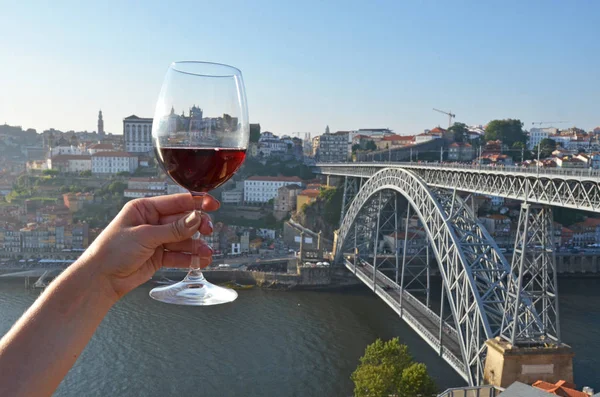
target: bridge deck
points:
(419, 317)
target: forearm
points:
(43, 345)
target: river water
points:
(267, 343)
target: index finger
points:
(182, 202)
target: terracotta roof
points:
(561, 388)
(66, 157)
(312, 193)
(275, 178)
(112, 154)
(437, 130)
(101, 146)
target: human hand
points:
(148, 234)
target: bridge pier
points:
(506, 363)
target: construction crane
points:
(548, 122)
(449, 114)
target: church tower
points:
(100, 124)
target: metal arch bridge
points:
(483, 296)
(572, 188)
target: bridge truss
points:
(482, 295)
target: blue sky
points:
(306, 64)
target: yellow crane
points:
(449, 114)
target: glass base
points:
(193, 292)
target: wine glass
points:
(200, 133)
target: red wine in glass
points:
(201, 132)
(201, 169)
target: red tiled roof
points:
(112, 154)
(312, 193)
(437, 130)
(561, 388)
(275, 178)
(66, 157)
(102, 146)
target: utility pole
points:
(441, 155)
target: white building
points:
(173, 188)
(139, 193)
(113, 162)
(234, 196)
(426, 137)
(137, 133)
(70, 163)
(100, 147)
(261, 189)
(537, 134)
(70, 150)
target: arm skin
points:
(37, 353)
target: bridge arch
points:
(474, 274)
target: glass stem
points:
(195, 273)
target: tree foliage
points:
(546, 147)
(254, 132)
(355, 148)
(458, 132)
(371, 145)
(508, 131)
(387, 369)
(333, 204)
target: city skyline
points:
(345, 66)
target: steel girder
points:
(474, 273)
(534, 264)
(563, 189)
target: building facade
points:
(461, 152)
(285, 201)
(261, 189)
(137, 133)
(113, 162)
(333, 147)
(70, 163)
(235, 196)
(536, 135)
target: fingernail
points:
(210, 225)
(192, 219)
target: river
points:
(268, 343)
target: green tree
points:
(123, 173)
(355, 148)
(457, 133)
(371, 145)
(546, 147)
(50, 172)
(520, 151)
(508, 131)
(85, 173)
(387, 369)
(416, 382)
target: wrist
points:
(88, 280)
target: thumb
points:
(173, 232)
